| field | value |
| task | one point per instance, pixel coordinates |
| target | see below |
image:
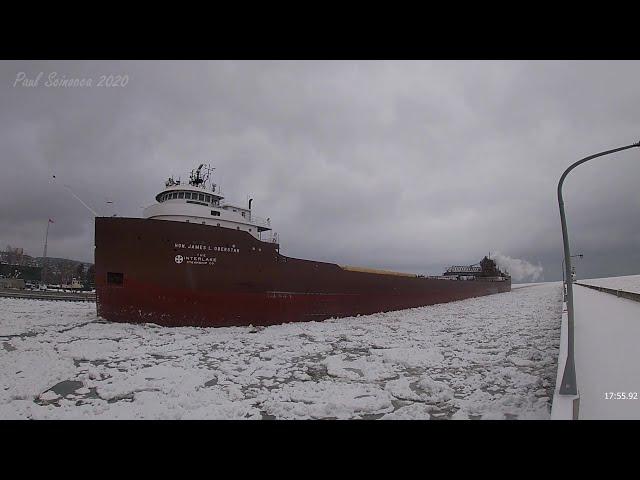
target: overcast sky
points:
(406, 165)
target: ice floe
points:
(487, 357)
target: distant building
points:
(12, 283)
(27, 273)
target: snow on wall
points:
(488, 357)
(629, 283)
(564, 406)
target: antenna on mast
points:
(198, 179)
(207, 174)
(95, 214)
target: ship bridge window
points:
(208, 199)
(181, 195)
(201, 197)
(115, 278)
(187, 195)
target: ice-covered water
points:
(489, 357)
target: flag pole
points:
(44, 259)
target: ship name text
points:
(197, 246)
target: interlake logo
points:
(198, 259)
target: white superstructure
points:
(197, 203)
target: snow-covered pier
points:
(49, 295)
(607, 346)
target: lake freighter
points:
(195, 260)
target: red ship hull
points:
(182, 274)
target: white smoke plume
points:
(519, 269)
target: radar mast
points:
(200, 176)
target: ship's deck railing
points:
(260, 221)
(468, 278)
(461, 270)
(269, 237)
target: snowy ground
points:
(629, 283)
(491, 357)
(607, 329)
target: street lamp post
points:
(569, 386)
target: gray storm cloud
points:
(402, 165)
